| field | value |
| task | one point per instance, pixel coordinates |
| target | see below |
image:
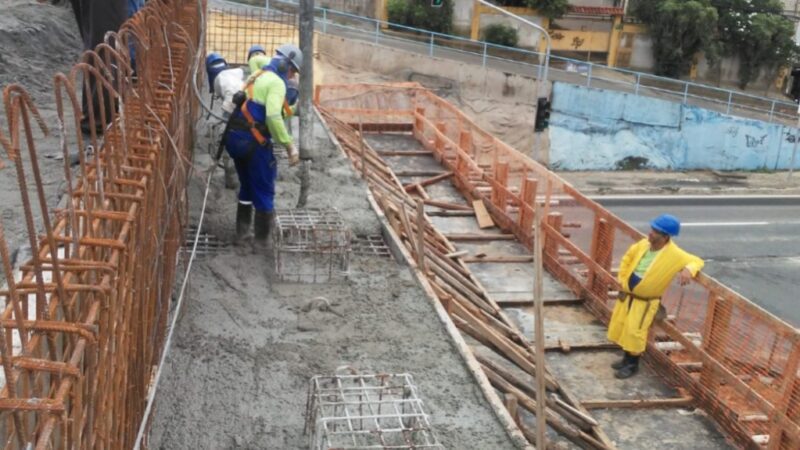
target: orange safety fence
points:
(737, 360)
(84, 321)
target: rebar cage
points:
(379, 411)
(311, 245)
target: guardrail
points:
(564, 69)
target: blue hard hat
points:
(213, 57)
(254, 49)
(667, 224)
(215, 64)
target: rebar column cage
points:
(380, 411)
(311, 245)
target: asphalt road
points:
(751, 244)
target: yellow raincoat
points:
(632, 317)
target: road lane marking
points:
(723, 224)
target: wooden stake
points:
(538, 298)
(363, 148)
(499, 197)
(421, 234)
(512, 406)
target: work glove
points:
(294, 155)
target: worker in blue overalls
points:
(254, 128)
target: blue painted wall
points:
(595, 129)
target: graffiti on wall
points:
(667, 134)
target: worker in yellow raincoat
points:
(645, 273)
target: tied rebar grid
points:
(208, 244)
(311, 245)
(84, 323)
(380, 411)
(371, 245)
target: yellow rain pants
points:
(632, 317)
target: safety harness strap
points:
(254, 129)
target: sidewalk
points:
(683, 183)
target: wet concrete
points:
(247, 345)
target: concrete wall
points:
(642, 54)
(595, 129)
(444, 74)
(462, 15)
(725, 74)
(528, 37)
(366, 8)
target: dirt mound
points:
(38, 40)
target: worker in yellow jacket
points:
(645, 273)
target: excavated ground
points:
(38, 40)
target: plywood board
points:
(484, 219)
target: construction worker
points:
(95, 18)
(223, 83)
(645, 273)
(255, 125)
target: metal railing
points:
(566, 70)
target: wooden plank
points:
(404, 153)
(479, 237)
(577, 436)
(642, 403)
(484, 219)
(566, 347)
(500, 259)
(419, 173)
(450, 213)
(450, 206)
(436, 179)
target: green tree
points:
(501, 34)
(756, 32)
(420, 14)
(549, 8)
(679, 29)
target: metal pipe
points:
(527, 22)
(306, 19)
(545, 159)
(794, 148)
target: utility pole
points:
(545, 156)
(306, 19)
(794, 149)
